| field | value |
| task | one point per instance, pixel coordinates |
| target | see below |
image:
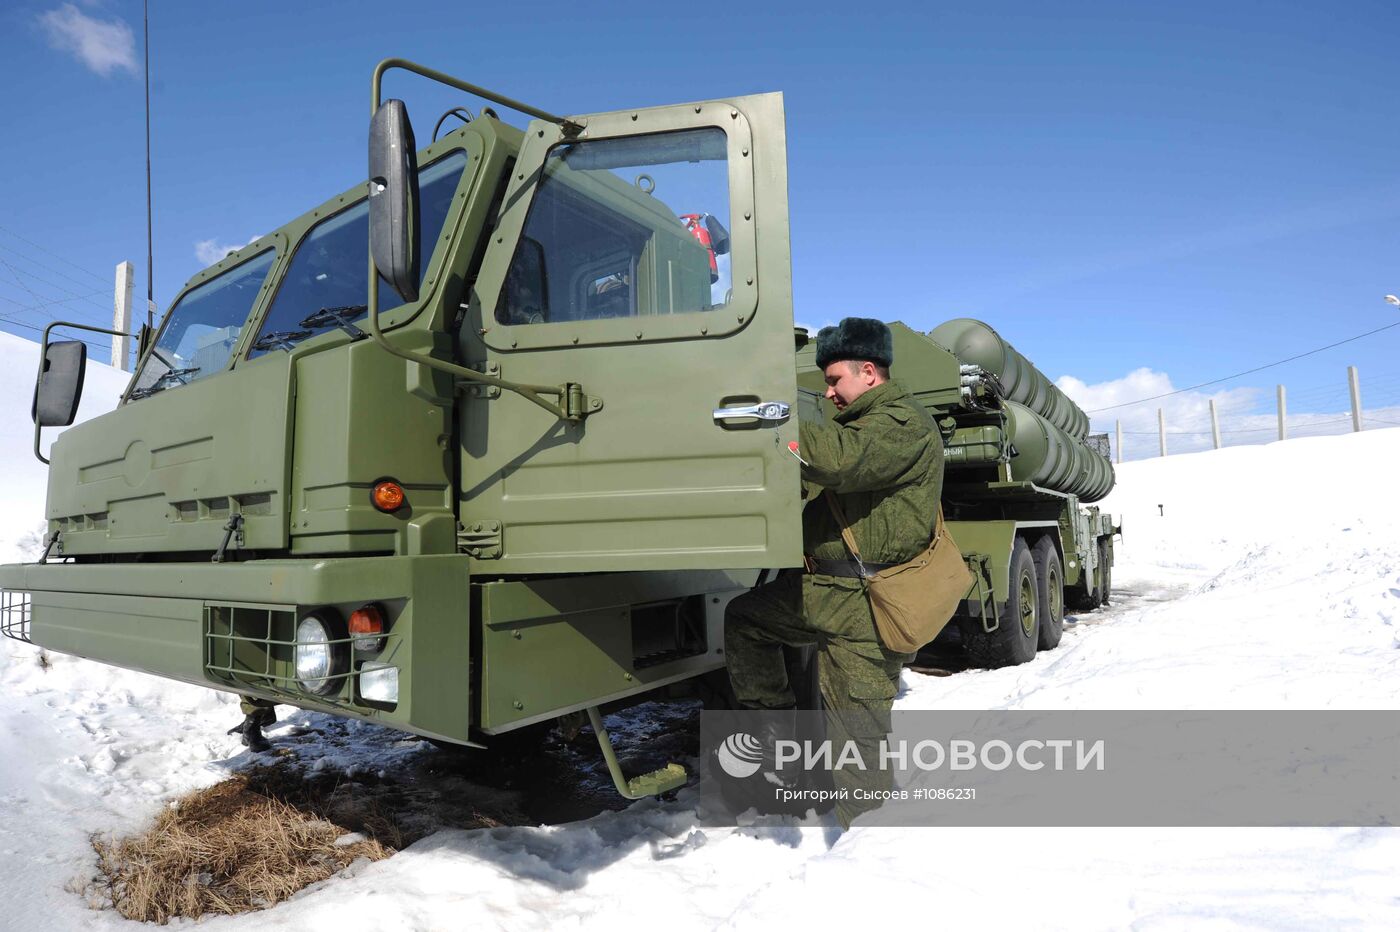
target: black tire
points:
(1050, 575)
(1016, 636)
(1105, 570)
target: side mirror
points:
(60, 384)
(393, 198)
(145, 337)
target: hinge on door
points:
(576, 404)
(480, 539)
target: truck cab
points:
(525, 487)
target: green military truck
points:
(526, 488)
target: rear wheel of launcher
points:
(1051, 578)
(1017, 634)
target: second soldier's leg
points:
(257, 715)
(757, 625)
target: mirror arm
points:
(569, 127)
(44, 355)
(573, 404)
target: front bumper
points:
(159, 618)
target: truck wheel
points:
(1051, 577)
(1105, 570)
(1015, 638)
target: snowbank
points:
(26, 479)
(1269, 579)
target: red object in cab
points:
(695, 224)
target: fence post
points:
(1355, 383)
(1282, 414)
(121, 316)
(1214, 425)
(1118, 428)
(1162, 431)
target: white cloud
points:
(210, 251)
(103, 45)
(1246, 415)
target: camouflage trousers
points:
(264, 711)
(858, 676)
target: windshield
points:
(202, 327)
(325, 283)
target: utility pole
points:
(1214, 424)
(121, 316)
(1118, 429)
(1282, 414)
(1162, 431)
(1355, 383)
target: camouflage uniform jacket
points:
(883, 457)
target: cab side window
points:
(624, 228)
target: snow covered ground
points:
(1268, 579)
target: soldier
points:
(883, 458)
(257, 715)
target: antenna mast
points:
(150, 255)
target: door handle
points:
(768, 412)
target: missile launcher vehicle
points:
(494, 439)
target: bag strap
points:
(846, 534)
(850, 538)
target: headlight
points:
(318, 660)
(379, 682)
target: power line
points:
(44, 299)
(1237, 375)
(52, 253)
(48, 268)
(95, 345)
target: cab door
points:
(643, 255)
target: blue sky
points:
(1195, 188)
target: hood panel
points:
(165, 473)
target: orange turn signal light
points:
(387, 495)
(367, 620)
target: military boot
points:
(257, 714)
(249, 731)
(778, 725)
(761, 789)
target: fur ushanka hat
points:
(855, 338)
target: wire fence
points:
(1254, 416)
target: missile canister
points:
(976, 343)
(1051, 458)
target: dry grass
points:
(255, 839)
(243, 844)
